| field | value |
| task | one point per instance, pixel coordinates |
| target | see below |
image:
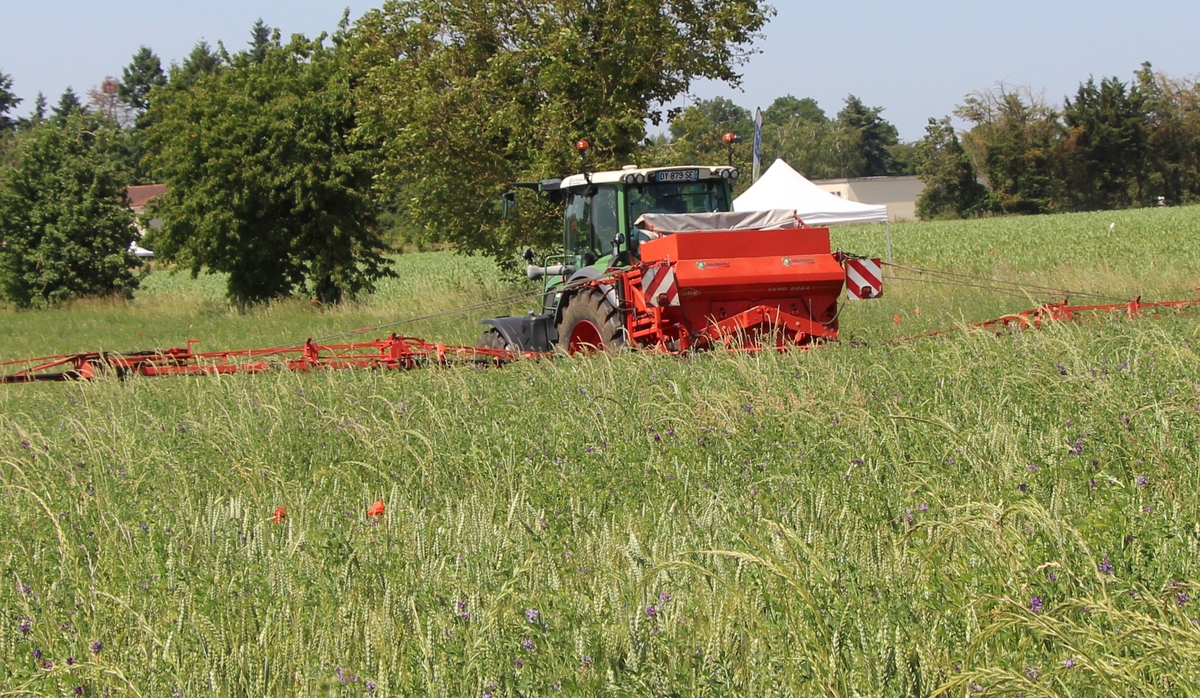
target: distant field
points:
(1155, 252)
(977, 514)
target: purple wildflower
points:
(651, 611)
(1182, 598)
(922, 507)
(1105, 566)
(664, 597)
(1051, 577)
(1148, 509)
(25, 589)
(671, 431)
(37, 654)
(97, 646)
(1062, 370)
(1070, 664)
(1092, 482)
(518, 663)
(1031, 672)
(70, 661)
(1031, 468)
(531, 615)
(527, 643)
(908, 515)
(1142, 481)
(25, 627)
(586, 661)
(79, 690)
(48, 665)
(1035, 604)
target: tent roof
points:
(781, 187)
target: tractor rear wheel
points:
(590, 324)
(492, 339)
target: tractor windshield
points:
(706, 196)
(591, 224)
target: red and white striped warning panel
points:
(658, 283)
(864, 279)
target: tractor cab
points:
(600, 213)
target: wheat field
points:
(974, 514)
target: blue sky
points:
(916, 59)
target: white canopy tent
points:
(781, 187)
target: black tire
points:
(607, 326)
(492, 339)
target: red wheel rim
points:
(585, 338)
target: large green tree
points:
(1172, 125)
(143, 74)
(267, 181)
(1105, 145)
(876, 136)
(469, 95)
(8, 102)
(799, 132)
(65, 225)
(788, 110)
(697, 134)
(1014, 141)
(202, 60)
(260, 41)
(952, 188)
(68, 104)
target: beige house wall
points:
(899, 194)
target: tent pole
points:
(888, 227)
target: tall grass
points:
(982, 513)
(848, 521)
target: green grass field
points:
(969, 515)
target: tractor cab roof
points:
(630, 174)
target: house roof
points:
(141, 194)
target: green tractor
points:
(599, 235)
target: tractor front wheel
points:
(590, 324)
(492, 339)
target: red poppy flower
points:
(280, 515)
(376, 509)
(896, 319)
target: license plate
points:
(677, 176)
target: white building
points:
(899, 194)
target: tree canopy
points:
(65, 225)
(952, 187)
(698, 132)
(202, 60)
(468, 95)
(143, 74)
(874, 134)
(8, 102)
(266, 181)
(68, 104)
